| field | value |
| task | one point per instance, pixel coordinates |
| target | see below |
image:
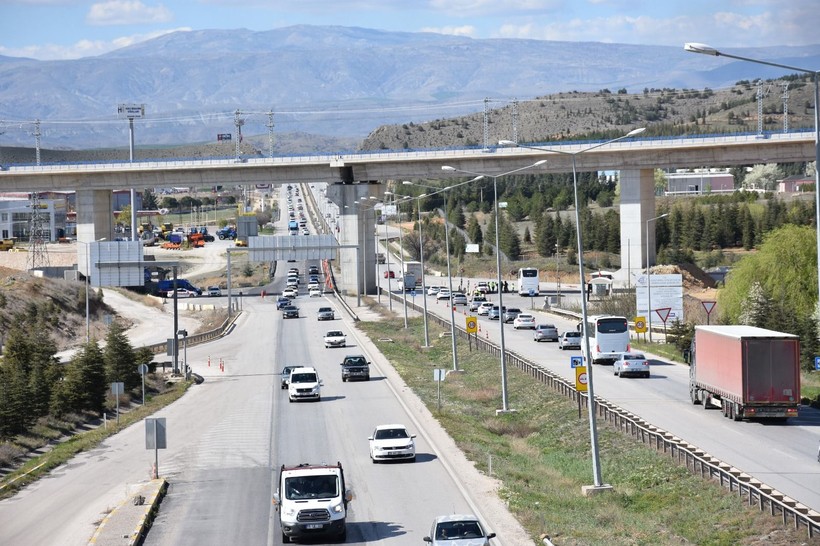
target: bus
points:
(608, 335)
(528, 281)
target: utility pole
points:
(486, 124)
(270, 133)
(785, 98)
(515, 120)
(37, 135)
(238, 122)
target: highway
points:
(783, 456)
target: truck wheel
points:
(736, 415)
(342, 536)
(705, 400)
(693, 395)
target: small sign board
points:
(439, 374)
(640, 325)
(576, 361)
(223, 136)
(117, 388)
(131, 111)
(472, 325)
(472, 248)
(155, 433)
(581, 379)
(142, 369)
(663, 313)
(413, 293)
(708, 306)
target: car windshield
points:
(334, 333)
(303, 377)
(391, 433)
(633, 357)
(573, 334)
(311, 487)
(451, 530)
(355, 361)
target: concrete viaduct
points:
(356, 175)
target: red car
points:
(389, 274)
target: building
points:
(15, 216)
(699, 181)
(795, 184)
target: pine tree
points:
(120, 365)
(474, 230)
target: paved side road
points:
(128, 522)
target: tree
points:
(785, 267)
(120, 364)
(474, 230)
(149, 200)
(763, 177)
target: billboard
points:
(667, 292)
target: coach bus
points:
(528, 281)
(608, 335)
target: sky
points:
(68, 29)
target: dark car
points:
(282, 302)
(290, 311)
(355, 367)
(286, 375)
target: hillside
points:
(608, 112)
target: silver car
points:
(545, 332)
(458, 530)
(458, 298)
(631, 364)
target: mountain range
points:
(338, 83)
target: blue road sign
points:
(413, 293)
(817, 362)
(576, 361)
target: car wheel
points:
(285, 538)
(646, 375)
(344, 379)
(290, 399)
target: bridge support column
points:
(637, 206)
(357, 226)
(95, 221)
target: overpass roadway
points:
(356, 176)
(377, 166)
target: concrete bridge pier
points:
(637, 206)
(95, 221)
(357, 226)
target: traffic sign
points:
(663, 313)
(472, 325)
(576, 361)
(708, 306)
(817, 362)
(640, 325)
(581, 379)
(413, 293)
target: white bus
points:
(528, 281)
(608, 335)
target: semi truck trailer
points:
(752, 373)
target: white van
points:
(304, 384)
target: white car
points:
(335, 338)
(458, 530)
(631, 364)
(315, 293)
(290, 292)
(432, 290)
(392, 442)
(214, 291)
(312, 285)
(525, 321)
(443, 294)
(484, 308)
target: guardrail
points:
(695, 459)
(203, 337)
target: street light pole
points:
(593, 431)
(450, 286)
(401, 253)
(505, 407)
(708, 50)
(649, 276)
(423, 283)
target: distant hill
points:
(336, 82)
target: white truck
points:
(312, 502)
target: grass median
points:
(541, 454)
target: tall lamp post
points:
(708, 50)
(649, 276)
(505, 407)
(593, 432)
(421, 243)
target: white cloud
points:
(125, 12)
(81, 48)
(466, 30)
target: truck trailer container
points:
(413, 268)
(751, 372)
